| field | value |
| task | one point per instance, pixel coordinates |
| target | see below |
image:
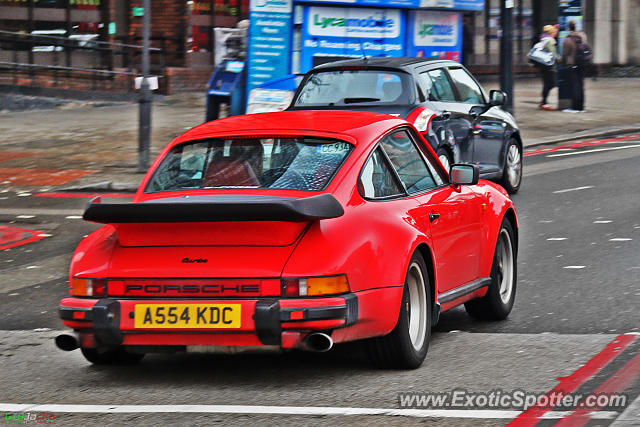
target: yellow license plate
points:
(181, 316)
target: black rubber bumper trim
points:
(352, 309)
(267, 321)
(106, 322)
(315, 313)
(66, 313)
(348, 311)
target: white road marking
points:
(574, 267)
(74, 217)
(602, 221)
(594, 150)
(285, 410)
(44, 235)
(25, 216)
(573, 189)
(554, 239)
(620, 239)
(36, 211)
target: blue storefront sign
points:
(269, 40)
(434, 34)
(350, 32)
(337, 29)
(476, 5)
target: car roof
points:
(355, 126)
(387, 61)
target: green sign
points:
(138, 11)
(112, 28)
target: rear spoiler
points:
(213, 208)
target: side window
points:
(468, 89)
(408, 162)
(427, 85)
(442, 89)
(376, 180)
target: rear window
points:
(352, 87)
(290, 163)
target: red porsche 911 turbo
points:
(296, 229)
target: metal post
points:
(145, 100)
(506, 52)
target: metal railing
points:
(25, 54)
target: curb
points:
(102, 186)
(587, 134)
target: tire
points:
(407, 345)
(498, 301)
(111, 356)
(512, 173)
(445, 158)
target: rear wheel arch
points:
(510, 215)
(427, 255)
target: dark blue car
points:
(441, 98)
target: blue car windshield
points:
(356, 87)
(289, 163)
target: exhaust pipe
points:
(319, 342)
(67, 342)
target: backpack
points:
(584, 54)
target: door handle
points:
(433, 216)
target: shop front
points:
(293, 37)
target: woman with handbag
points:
(548, 69)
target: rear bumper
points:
(265, 321)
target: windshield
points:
(291, 163)
(348, 87)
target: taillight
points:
(313, 286)
(421, 118)
(81, 287)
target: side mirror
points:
(464, 174)
(497, 98)
(477, 110)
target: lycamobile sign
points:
(351, 22)
(435, 28)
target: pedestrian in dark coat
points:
(576, 71)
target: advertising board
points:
(350, 32)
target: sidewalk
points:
(90, 144)
(612, 105)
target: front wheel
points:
(512, 173)
(498, 301)
(406, 346)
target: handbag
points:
(540, 55)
